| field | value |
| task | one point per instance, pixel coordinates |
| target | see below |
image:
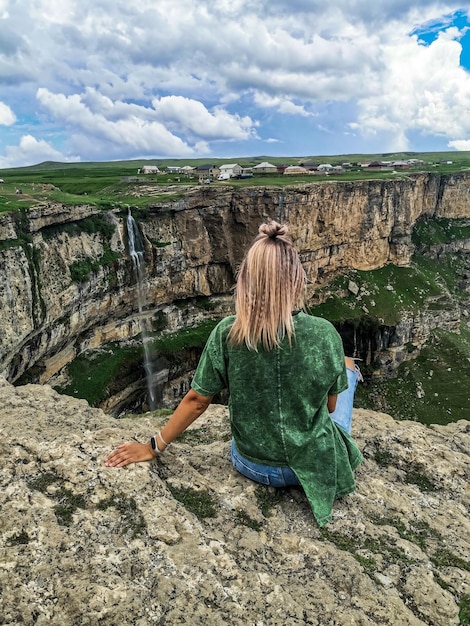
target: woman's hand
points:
(189, 409)
(130, 453)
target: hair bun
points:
(273, 230)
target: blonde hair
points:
(270, 285)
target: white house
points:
(295, 169)
(265, 168)
(149, 169)
(229, 170)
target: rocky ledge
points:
(186, 540)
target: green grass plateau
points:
(106, 184)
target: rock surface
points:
(186, 540)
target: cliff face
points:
(192, 248)
(187, 540)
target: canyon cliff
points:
(67, 283)
(187, 540)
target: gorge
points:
(68, 291)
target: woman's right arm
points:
(189, 409)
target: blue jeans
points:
(342, 414)
(284, 476)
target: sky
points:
(103, 80)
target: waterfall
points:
(136, 250)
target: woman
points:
(285, 372)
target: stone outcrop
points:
(186, 540)
(193, 247)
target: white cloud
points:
(191, 115)
(3, 9)
(129, 134)
(460, 144)
(30, 151)
(56, 12)
(282, 105)
(173, 126)
(7, 117)
(422, 88)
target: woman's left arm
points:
(189, 409)
(331, 403)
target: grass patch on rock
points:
(418, 531)
(383, 547)
(386, 293)
(92, 225)
(267, 498)
(94, 374)
(244, 519)
(445, 558)
(415, 475)
(67, 501)
(384, 458)
(201, 503)
(197, 436)
(429, 232)
(81, 271)
(195, 337)
(42, 481)
(19, 539)
(464, 612)
(131, 519)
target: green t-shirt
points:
(277, 405)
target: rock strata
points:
(67, 286)
(186, 540)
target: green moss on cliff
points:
(390, 292)
(81, 271)
(52, 485)
(464, 613)
(433, 388)
(92, 225)
(132, 521)
(92, 374)
(386, 293)
(428, 232)
(188, 338)
(19, 539)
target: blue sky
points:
(98, 80)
